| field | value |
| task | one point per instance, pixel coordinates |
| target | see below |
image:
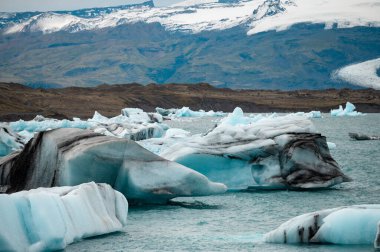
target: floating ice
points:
(132, 124)
(136, 115)
(272, 152)
(363, 137)
(47, 219)
(331, 145)
(311, 114)
(187, 112)
(344, 225)
(38, 124)
(9, 141)
(73, 156)
(349, 110)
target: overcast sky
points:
(50, 5)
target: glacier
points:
(47, 219)
(349, 110)
(197, 16)
(362, 74)
(68, 157)
(266, 151)
(356, 224)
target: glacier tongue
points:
(73, 156)
(46, 219)
(356, 224)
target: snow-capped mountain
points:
(202, 15)
(265, 44)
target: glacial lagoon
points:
(237, 221)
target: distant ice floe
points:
(266, 151)
(187, 112)
(349, 110)
(311, 114)
(362, 74)
(67, 157)
(47, 219)
(359, 224)
(133, 124)
(363, 137)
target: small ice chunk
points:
(349, 110)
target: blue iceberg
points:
(349, 110)
(356, 224)
(47, 219)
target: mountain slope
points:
(222, 43)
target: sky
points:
(51, 5)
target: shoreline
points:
(21, 102)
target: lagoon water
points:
(236, 221)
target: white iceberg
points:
(136, 115)
(349, 110)
(331, 145)
(187, 112)
(47, 219)
(67, 157)
(243, 151)
(311, 114)
(344, 225)
(131, 124)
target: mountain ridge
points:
(196, 41)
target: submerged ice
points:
(344, 225)
(47, 219)
(67, 157)
(242, 151)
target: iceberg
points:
(362, 137)
(331, 145)
(132, 124)
(349, 110)
(69, 156)
(136, 115)
(187, 112)
(268, 152)
(9, 141)
(47, 219)
(349, 225)
(311, 114)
